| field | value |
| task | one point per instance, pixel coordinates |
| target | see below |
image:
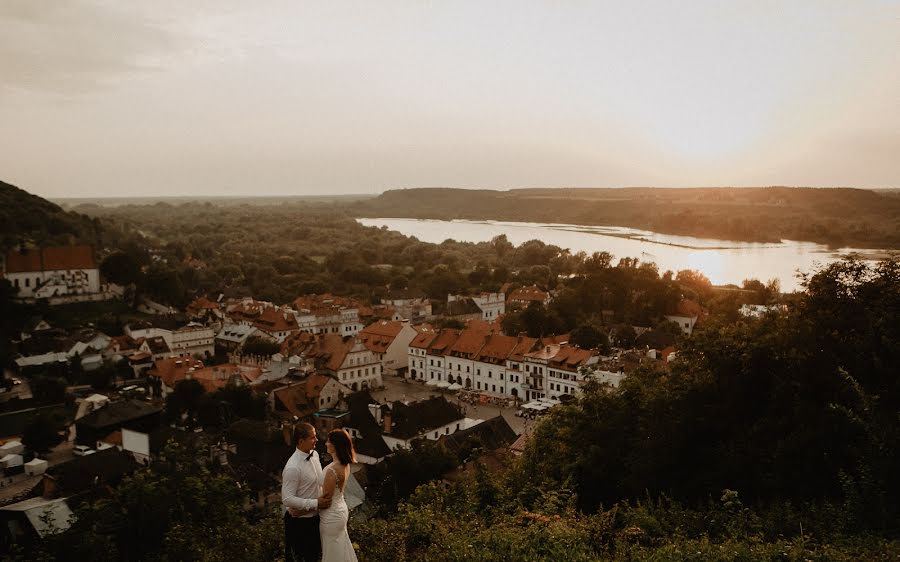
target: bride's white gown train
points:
(336, 545)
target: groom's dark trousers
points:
(301, 539)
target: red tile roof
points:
(424, 338)
(55, 258)
(496, 349)
(528, 294)
(174, 369)
(471, 339)
(443, 342)
(302, 399)
(571, 358)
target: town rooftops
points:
(53, 258)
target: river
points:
(722, 261)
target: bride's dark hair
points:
(343, 445)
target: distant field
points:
(72, 202)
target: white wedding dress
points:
(336, 546)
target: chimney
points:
(375, 410)
(387, 422)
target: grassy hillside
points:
(838, 217)
(27, 218)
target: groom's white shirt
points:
(301, 482)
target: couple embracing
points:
(315, 516)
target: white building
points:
(53, 271)
(194, 339)
(389, 341)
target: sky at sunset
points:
(205, 97)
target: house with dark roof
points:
(363, 417)
(425, 419)
(299, 401)
(488, 435)
(130, 414)
(87, 473)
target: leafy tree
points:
(121, 268)
(184, 401)
(41, 434)
(589, 336)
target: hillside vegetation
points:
(837, 217)
(29, 219)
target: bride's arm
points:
(327, 488)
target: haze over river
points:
(722, 261)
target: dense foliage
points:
(27, 218)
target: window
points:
(501, 376)
(490, 375)
(477, 371)
(478, 384)
(467, 368)
(27, 282)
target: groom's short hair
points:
(303, 431)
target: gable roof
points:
(302, 399)
(571, 357)
(529, 294)
(655, 339)
(379, 336)
(493, 434)
(416, 418)
(117, 413)
(445, 339)
(423, 338)
(174, 369)
(471, 339)
(53, 258)
(108, 466)
(496, 349)
(157, 345)
(370, 443)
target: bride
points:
(336, 546)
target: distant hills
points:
(834, 216)
(29, 219)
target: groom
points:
(301, 484)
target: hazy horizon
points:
(209, 99)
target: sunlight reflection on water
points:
(722, 261)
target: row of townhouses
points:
(482, 359)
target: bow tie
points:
(309, 456)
